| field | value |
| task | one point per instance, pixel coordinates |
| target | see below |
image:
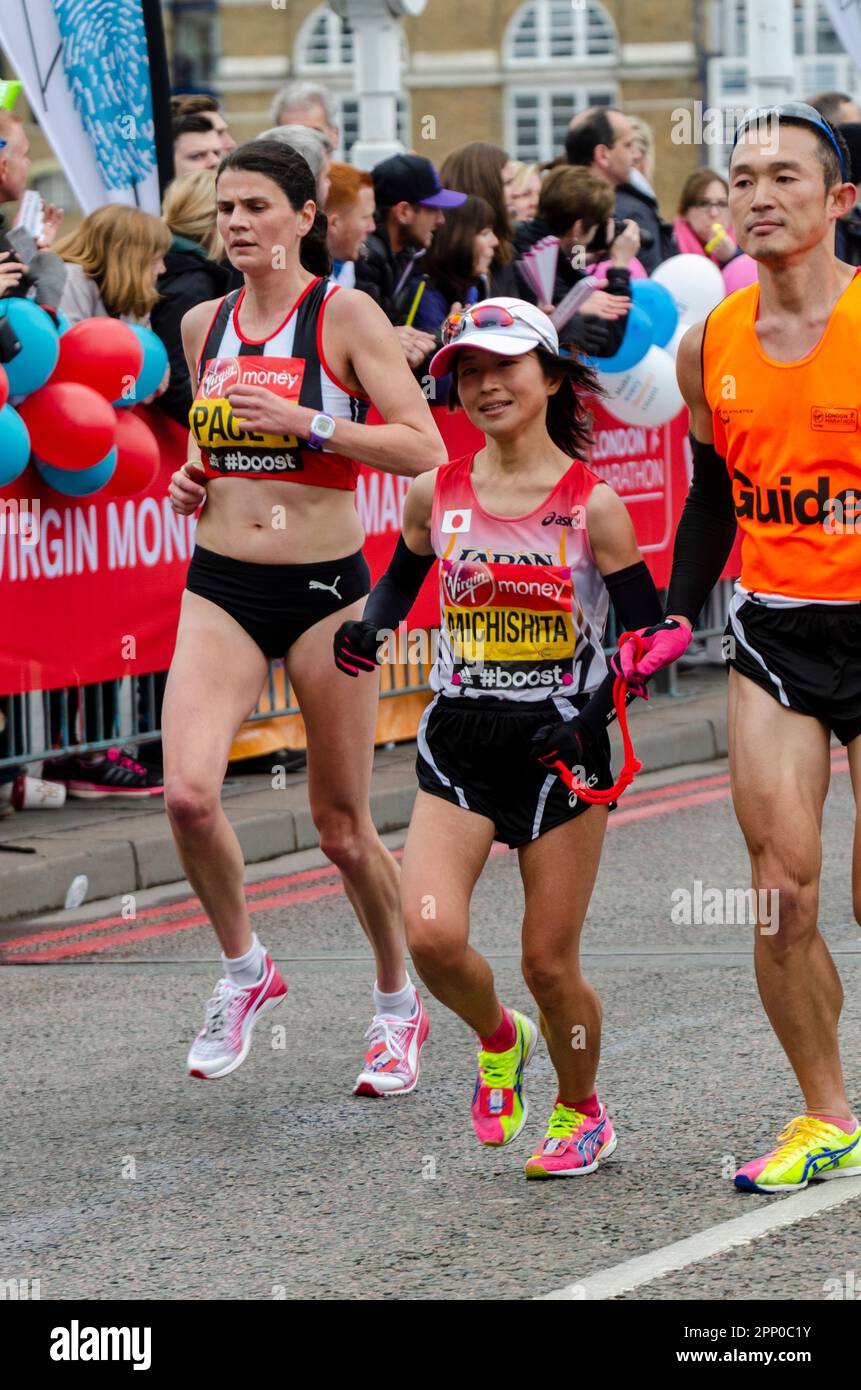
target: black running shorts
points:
(808, 658)
(475, 754)
(275, 604)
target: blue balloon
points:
(14, 445)
(79, 482)
(634, 345)
(62, 322)
(152, 370)
(40, 346)
(657, 302)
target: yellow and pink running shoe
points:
(808, 1149)
(499, 1106)
(574, 1144)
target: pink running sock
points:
(504, 1037)
(591, 1106)
(848, 1126)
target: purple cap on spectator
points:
(409, 178)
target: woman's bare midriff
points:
(278, 523)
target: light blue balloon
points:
(79, 482)
(14, 445)
(62, 322)
(633, 347)
(657, 302)
(40, 346)
(152, 370)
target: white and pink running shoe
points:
(225, 1038)
(394, 1051)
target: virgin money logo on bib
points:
(468, 583)
(220, 373)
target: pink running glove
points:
(662, 645)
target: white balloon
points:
(695, 283)
(647, 394)
(672, 346)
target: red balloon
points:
(138, 456)
(4, 388)
(71, 426)
(101, 353)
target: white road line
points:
(607, 1283)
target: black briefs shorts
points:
(275, 604)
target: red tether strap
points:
(631, 764)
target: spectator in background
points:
(703, 215)
(409, 201)
(350, 213)
(27, 267)
(193, 272)
(308, 104)
(113, 259)
(838, 108)
(315, 149)
(576, 206)
(848, 234)
(196, 145)
(522, 184)
(477, 168)
(602, 140)
(199, 104)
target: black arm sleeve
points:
(636, 603)
(396, 591)
(705, 534)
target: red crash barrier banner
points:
(90, 588)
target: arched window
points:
(555, 37)
(556, 31)
(325, 43)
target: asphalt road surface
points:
(122, 1179)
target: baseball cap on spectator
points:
(409, 178)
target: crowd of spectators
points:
(423, 243)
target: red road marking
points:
(646, 804)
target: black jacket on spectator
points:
(598, 337)
(190, 277)
(643, 209)
(387, 275)
(847, 244)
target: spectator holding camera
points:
(28, 268)
(576, 207)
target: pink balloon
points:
(739, 272)
(636, 269)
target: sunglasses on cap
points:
(491, 316)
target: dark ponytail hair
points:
(291, 172)
(569, 420)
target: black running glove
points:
(357, 647)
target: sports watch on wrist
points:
(322, 429)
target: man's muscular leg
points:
(780, 766)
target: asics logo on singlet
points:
(577, 519)
(237, 462)
(785, 506)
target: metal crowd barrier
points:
(53, 724)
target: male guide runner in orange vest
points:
(771, 379)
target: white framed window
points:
(325, 43)
(553, 32)
(813, 30)
(195, 43)
(538, 118)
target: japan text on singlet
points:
(291, 364)
(791, 436)
(522, 606)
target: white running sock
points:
(402, 1004)
(246, 970)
